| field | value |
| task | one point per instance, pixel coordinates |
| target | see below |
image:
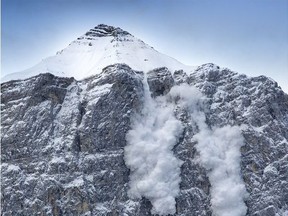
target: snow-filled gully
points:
(155, 171)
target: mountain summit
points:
(103, 30)
(99, 47)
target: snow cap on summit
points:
(98, 48)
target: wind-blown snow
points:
(219, 150)
(155, 171)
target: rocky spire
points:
(103, 30)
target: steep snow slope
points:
(99, 47)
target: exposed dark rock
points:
(179, 77)
(160, 81)
(103, 30)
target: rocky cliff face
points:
(63, 141)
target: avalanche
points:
(155, 171)
(219, 150)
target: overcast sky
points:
(247, 36)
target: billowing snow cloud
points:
(220, 154)
(155, 171)
(219, 150)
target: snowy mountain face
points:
(100, 47)
(154, 141)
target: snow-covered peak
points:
(99, 47)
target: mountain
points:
(136, 142)
(100, 47)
